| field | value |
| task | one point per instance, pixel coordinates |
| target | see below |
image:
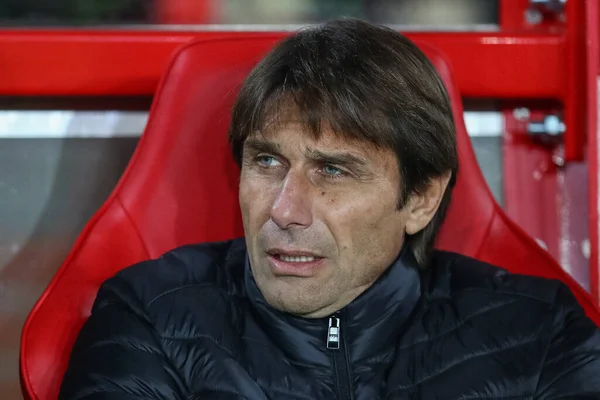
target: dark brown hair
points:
(366, 82)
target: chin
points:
(295, 309)
(286, 297)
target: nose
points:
(292, 205)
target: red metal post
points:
(529, 174)
(592, 43)
(580, 116)
(582, 67)
(545, 189)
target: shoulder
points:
(481, 290)
(454, 274)
(216, 267)
(471, 294)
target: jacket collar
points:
(370, 324)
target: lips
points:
(298, 263)
(292, 253)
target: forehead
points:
(292, 134)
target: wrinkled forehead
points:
(289, 123)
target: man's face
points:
(320, 217)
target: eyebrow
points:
(262, 146)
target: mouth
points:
(294, 262)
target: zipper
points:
(339, 357)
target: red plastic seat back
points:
(181, 187)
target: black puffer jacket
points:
(193, 325)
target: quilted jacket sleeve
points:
(572, 366)
(117, 354)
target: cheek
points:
(254, 201)
(366, 226)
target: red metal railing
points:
(93, 62)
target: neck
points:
(338, 305)
(369, 323)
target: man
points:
(346, 143)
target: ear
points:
(423, 205)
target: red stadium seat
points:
(181, 187)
